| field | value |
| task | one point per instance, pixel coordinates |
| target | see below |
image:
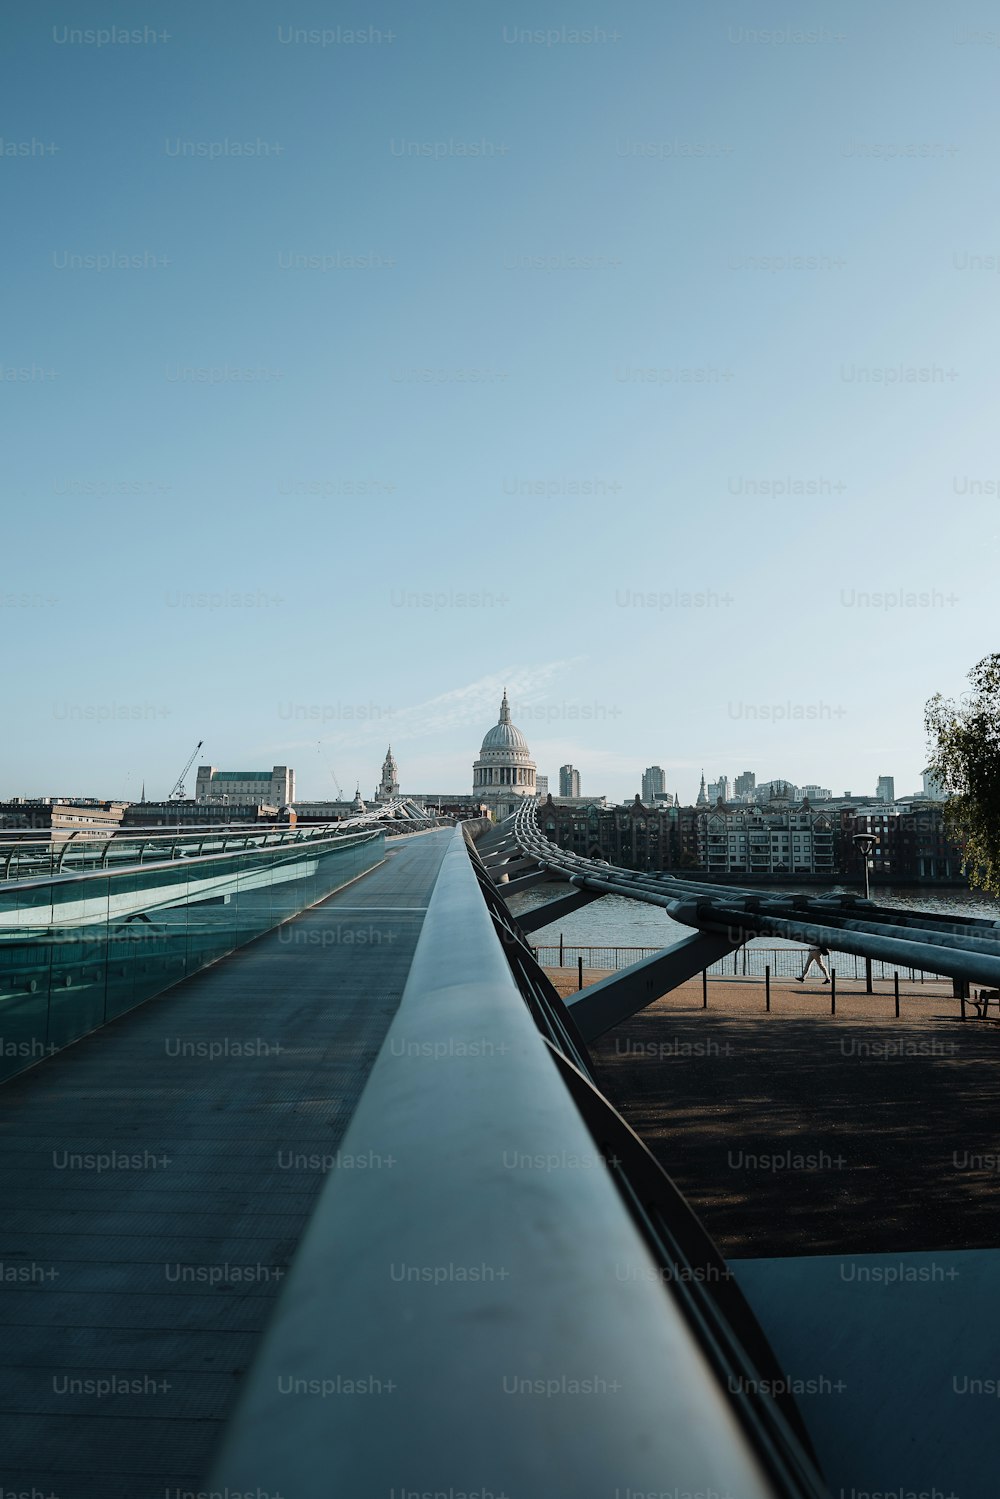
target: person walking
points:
(817, 954)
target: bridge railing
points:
(78, 950)
(476, 1310)
(27, 853)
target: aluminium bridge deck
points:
(156, 1274)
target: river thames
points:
(615, 921)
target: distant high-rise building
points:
(744, 785)
(817, 793)
(886, 789)
(654, 783)
(569, 781)
(933, 789)
(542, 785)
(720, 790)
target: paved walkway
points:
(800, 1133)
(156, 1178)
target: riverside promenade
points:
(798, 1132)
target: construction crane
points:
(178, 794)
(333, 773)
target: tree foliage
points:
(965, 760)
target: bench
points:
(982, 1001)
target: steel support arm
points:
(501, 874)
(509, 855)
(554, 910)
(529, 881)
(606, 1004)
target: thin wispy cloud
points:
(473, 706)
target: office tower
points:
(933, 789)
(654, 783)
(569, 781)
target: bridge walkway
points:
(155, 1180)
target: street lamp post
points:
(866, 843)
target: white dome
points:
(504, 736)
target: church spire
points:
(702, 794)
(505, 709)
(388, 787)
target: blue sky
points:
(649, 372)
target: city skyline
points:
(447, 715)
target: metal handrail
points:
(689, 1260)
(551, 1016)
